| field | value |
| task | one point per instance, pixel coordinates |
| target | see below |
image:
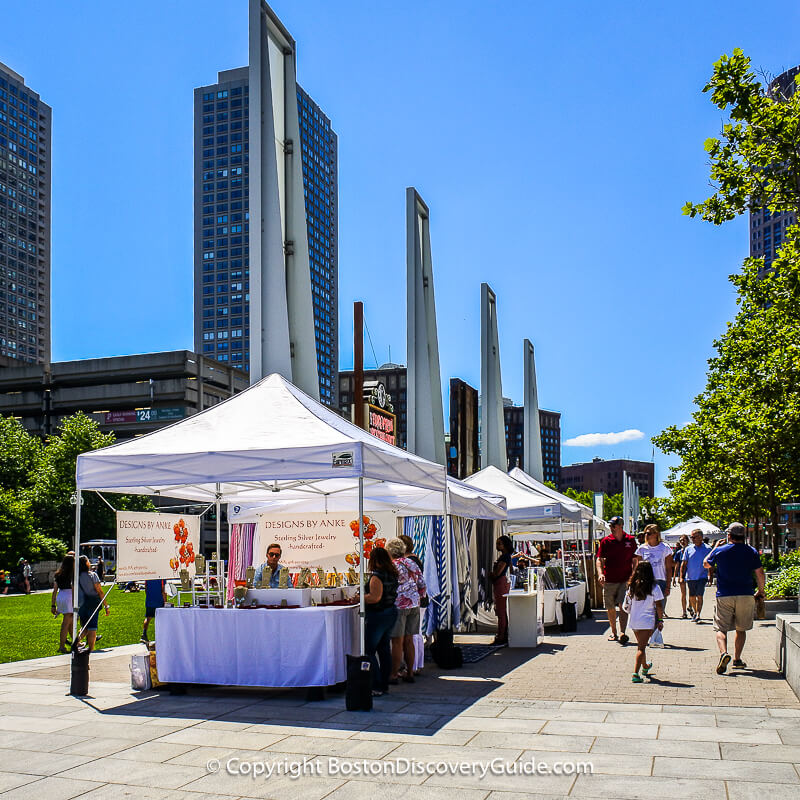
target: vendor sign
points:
(319, 539)
(155, 545)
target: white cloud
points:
(599, 439)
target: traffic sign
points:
(790, 506)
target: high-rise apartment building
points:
(767, 231)
(550, 429)
(221, 225)
(24, 221)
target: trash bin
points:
(569, 616)
(358, 691)
(79, 684)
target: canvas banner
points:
(155, 545)
(319, 539)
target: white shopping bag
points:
(140, 673)
(656, 640)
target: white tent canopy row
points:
(403, 501)
(673, 534)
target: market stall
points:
(541, 516)
(673, 534)
(252, 447)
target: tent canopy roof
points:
(524, 503)
(269, 437)
(567, 503)
(676, 531)
(405, 501)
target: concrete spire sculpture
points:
(532, 435)
(493, 429)
(281, 307)
(425, 419)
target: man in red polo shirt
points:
(614, 568)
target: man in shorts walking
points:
(614, 567)
(735, 562)
(695, 572)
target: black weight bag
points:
(444, 652)
(358, 691)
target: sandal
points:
(646, 668)
(637, 678)
(377, 693)
(411, 679)
(613, 638)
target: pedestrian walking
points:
(677, 576)
(90, 598)
(61, 600)
(644, 602)
(155, 597)
(695, 572)
(27, 574)
(614, 567)
(736, 563)
(659, 555)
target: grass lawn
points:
(29, 630)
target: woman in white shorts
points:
(61, 600)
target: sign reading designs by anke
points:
(155, 545)
(319, 539)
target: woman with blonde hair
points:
(410, 588)
(659, 555)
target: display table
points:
(552, 604)
(256, 647)
(522, 612)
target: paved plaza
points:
(688, 733)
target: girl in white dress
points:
(644, 602)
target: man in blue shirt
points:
(155, 597)
(695, 573)
(735, 562)
(273, 561)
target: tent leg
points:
(76, 574)
(448, 555)
(220, 576)
(362, 620)
(563, 560)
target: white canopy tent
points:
(673, 534)
(402, 500)
(270, 438)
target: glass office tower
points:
(221, 225)
(24, 221)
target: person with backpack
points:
(381, 615)
(644, 605)
(90, 598)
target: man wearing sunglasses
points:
(273, 561)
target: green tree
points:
(20, 454)
(55, 484)
(755, 162)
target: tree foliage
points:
(740, 455)
(37, 480)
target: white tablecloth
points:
(552, 603)
(255, 647)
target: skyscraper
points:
(24, 221)
(221, 225)
(767, 231)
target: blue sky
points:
(554, 143)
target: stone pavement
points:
(687, 734)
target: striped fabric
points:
(240, 553)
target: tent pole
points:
(563, 562)
(361, 608)
(220, 576)
(448, 555)
(76, 574)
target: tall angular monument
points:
(532, 434)
(281, 307)
(493, 431)
(424, 388)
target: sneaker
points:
(724, 660)
(623, 639)
(646, 668)
(738, 664)
(144, 640)
(637, 678)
